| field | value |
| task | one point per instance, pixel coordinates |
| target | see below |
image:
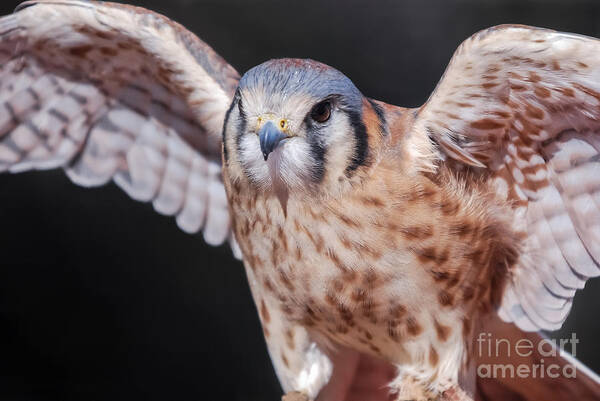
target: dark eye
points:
(321, 112)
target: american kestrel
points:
(369, 232)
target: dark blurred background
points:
(103, 299)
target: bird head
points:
(295, 124)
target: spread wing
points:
(113, 92)
(525, 104)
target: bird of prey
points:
(368, 231)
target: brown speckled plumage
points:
(369, 232)
(451, 243)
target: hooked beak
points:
(269, 137)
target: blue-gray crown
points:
(303, 76)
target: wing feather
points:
(117, 93)
(525, 103)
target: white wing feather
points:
(525, 103)
(112, 92)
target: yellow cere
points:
(281, 123)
